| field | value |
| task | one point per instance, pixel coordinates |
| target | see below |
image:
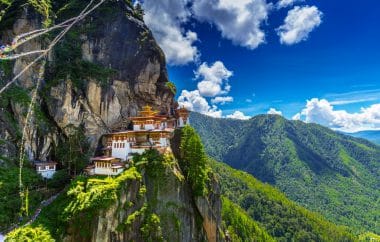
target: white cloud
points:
(222, 100)
(274, 111)
(248, 100)
(214, 79)
(359, 96)
(238, 115)
(237, 20)
(165, 18)
(298, 24)
(193, 101)
(322, 112)
(297, 116)
(286, 3)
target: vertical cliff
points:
(151, 201)
(104, 70)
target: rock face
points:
(181, 217)
(121, 43)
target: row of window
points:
(119, 145)
(102, 164)
(42, 168)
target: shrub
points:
(29, 233)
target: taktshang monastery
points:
(150, 131)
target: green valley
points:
(327, 172)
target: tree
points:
(193, 160)
(74, 151)
(139, 11)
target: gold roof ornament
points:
(147, 111)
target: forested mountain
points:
(327, 172)
(270, 210)
(373, 136)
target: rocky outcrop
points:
(180, 216)
(121, 43)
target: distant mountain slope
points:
(283, 219)
(330, 173)
(373, 136)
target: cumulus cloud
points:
(238, 115)
(165, 18)
(322, 112)
(193, 101)
(238, 20)
(297, 116)
(214, 79)
(222, 100)
(286, 3)
(298, 24)
(274, 111)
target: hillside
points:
(373, 136)
(283, 219)
(159, 198)
(327, 172)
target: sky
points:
(315, 61)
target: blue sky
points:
(328, 73)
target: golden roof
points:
(147, 111)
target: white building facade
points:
(46, 169)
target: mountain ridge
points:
(371, 135)
(317, 167)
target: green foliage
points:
(6, 66)
(325, 171)
(82, 201)
(283, 219)
(69, 65)
(59, 179)
(138, 214)
(15, 94)
(29, 233)
(92, 194)
(153, 163)
(139, 11)
(369, 237)
(240, 226)
(44, 8)
(11, 11)
(172, 87)
(151, 229)
(10, 202)
(193, 161)
(74, 151)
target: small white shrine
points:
(46, 169)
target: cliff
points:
(151, 201)
(104, 70)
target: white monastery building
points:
(150, 131)
(46, 169)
